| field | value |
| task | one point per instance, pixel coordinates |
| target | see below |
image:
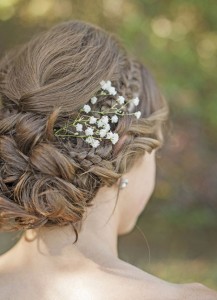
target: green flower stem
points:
(81, 136)
(99, 112)
(105, 112)
(84, 121)
(72, 135)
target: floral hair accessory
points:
(94, 129)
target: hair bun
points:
(49, 181)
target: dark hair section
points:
(49, 181)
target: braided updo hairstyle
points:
(48, 181)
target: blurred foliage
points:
(177, 40)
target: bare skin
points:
(46, 265)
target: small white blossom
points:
(95, 143)
(102, 83)
(100, 123)
(92, 120)
(89, 139)
(89, 131)
(112, 91)
(115, 138)
(114, 119)
(106, 85)
(121, 100)
(102, 132)
(109, 135)
(87, 108)
(93, 100)
(79, 127)
(137, 114)
(136, 101)
(104, 119)
(106, 127)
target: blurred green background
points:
(176, 236)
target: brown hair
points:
(45, 180)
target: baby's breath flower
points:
(92, 120)
(137, 114)
(89, 139)
(136, 101)
(121, 100)
(115, 138)
(100, 123)
(89, 131)
(102, 82)
(95, 143)
(104, 119)
(109, 135)
(102, 132)
(93, 100)
(106, 127)
(106, 85)
(87, 108)
(112, 90)
(104, 122)
(114, 119)
(79, 127)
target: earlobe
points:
(123, 183)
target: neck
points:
(97, 240)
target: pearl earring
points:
(123, 183)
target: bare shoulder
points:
(196, 291)
(134, 283)
(117, 282)
(158, 289)
(125, 281)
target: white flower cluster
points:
(107, 86)
(100, 128)
(93, 142)
(87, 108)
(121, 100)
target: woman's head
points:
(46, 180)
